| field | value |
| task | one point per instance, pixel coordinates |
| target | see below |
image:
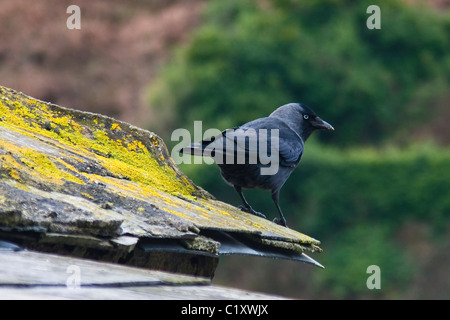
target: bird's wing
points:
(290, 145)
(287, 143)
(248, 142)
(290, 149)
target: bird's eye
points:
(305, 116)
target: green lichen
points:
(202, 244)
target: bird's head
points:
(301, 118)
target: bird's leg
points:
(246, 207)
(275, 198)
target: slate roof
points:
(87, 185)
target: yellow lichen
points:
(175, 213)
(10, 164)
(46, 167)
(14, 174)
(115, 126)
(87, 195)
(36, 164)
(135, 145)
(130, 159)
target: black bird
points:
(244, 152)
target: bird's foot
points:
(250, 210)
(281, 222)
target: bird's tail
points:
(196, 148)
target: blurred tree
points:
(363, 246)
(252, 56)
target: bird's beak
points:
(321, 124)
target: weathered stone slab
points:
(79, 184)
(33, 275)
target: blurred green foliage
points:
(374, 86)
(362, 246)
(250, 57)
(356, 201)
(344, 188)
